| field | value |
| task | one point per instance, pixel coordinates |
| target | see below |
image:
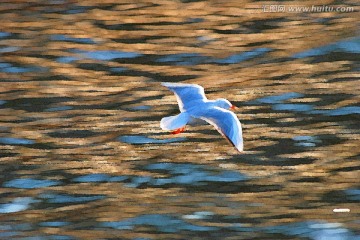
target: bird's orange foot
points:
(179, 130)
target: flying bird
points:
(193, 105)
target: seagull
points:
(194, 105)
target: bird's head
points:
(224, 103)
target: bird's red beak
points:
(233, 107)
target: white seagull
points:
(193, 105)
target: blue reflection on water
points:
(30, 183)
(139, 108)
(162, 222)
(236, 58)
(350, 45)
(314, 230)
(11, 230)
(12, 69)
(343, 111)
(9, 49)
(51, 237)
(16, 141)
(279, 98)
(9, 68)
(99, 177)
(5, 65)
(118, 69)
(57, 109)
(193, 174)
(96, 177)
(54, 224)
(68, 198)
(77, 9)
(339, 111)
(195, 20)
(67, 59)
(2, 102)
(306, 141)
(278, 105)
(292, 107)
(183, 174)
(4, 34)
(353, 194)
(109, 55)
(17, 205)
(61, 37)
(184, 59)
(136, 139)
(199, 215)
(97, 55)
(188, 59)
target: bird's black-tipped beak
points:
(233, 107)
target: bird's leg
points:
(179, 130)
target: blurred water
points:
(82, 155)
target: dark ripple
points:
(185, 59)
(99, 177)
(289, 146)
(188, 176)
(137, 139)
(73, 134)
(16, 68)
(165, 223)
(342, 196)
(56, 198)
(272, 152)
(64, 38)
(34, 104)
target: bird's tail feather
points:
(175, 122)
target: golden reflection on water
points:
(78, 76)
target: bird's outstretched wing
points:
(186, 93)
(227, 123)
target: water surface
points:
(82, 155)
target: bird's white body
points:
(194, 105)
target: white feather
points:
(174, 122)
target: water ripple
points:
(16, 141)
(108, 55)
(165, 223)
(5, 34)
(17, 205)
(30, 183)
(279, 98)
(292, 107)
(349, 46)
(61, 37)
(315, 230)
(70, 198)
(240, 57)
(133, 139)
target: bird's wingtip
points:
(240, 148)
(167, 84)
